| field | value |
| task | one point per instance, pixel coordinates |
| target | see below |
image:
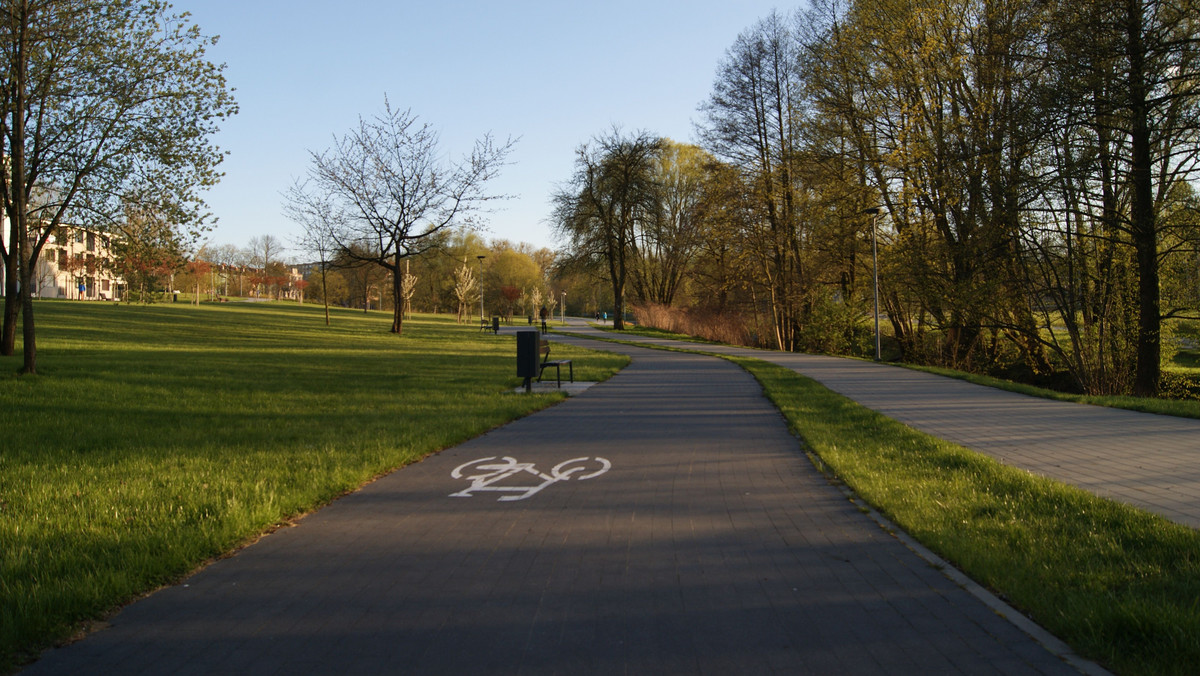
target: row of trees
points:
(153, 258)
(1034, 163)
(515, 279)
(106, 110)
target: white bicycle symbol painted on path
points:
(486, 475)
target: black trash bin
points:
(528, 356)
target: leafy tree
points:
(435, 270)
(613, 194)
(753, 120)
(666, 245)
(104, 103)
(144, 254)
(329, 287)
(393, 193)
(510, 272)
(1127, 86)
(511, 295)
(197, 277)
(363, 280)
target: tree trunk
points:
(618, 304)
(325, 293)
(29, 343)
(398, 302)
(1145, 235)
(12, 307)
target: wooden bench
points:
(544, 349)
(492, 324)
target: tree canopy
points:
(105, 104)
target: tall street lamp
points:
(875, 211)
(562, 313)
(482, 318)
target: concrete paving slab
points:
(568, 388)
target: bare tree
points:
(320, 221)
(464, 289)
(393, 192)
(408, 287)
(264, 250)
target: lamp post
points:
(562, 312)
(482, 318)
(875, 211)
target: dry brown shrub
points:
(706, 323)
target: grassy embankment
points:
(1120, 585)
(158, 437)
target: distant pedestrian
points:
(544, 314)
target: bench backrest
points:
(544, 349)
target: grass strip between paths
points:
(1183, 408)
(1119, 585)
(156, 438)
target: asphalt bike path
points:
(1149, 461)
(662, 522)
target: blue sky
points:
(552, 73)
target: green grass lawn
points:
(157, 437)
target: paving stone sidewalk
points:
(683, 532)
(1146, 460)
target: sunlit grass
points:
(157, 437)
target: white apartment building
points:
(73, 264)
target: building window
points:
(91, 241)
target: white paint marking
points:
(485, 475)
